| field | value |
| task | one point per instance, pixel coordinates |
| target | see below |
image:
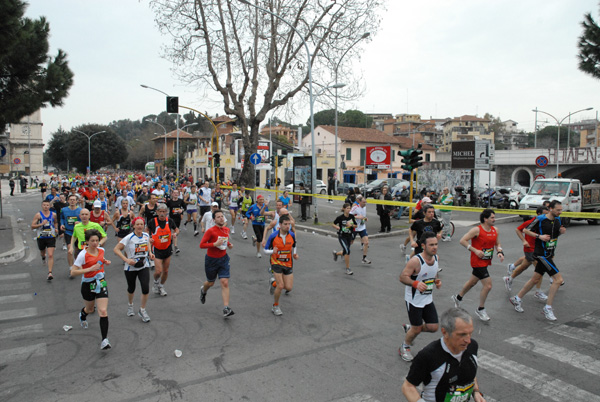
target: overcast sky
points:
(436, 58)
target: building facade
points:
(22, 147)
(465, 128)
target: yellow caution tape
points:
(527, 212)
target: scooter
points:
(460, 196)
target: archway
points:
(522, 176)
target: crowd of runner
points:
(146, 214)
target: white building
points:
(24, 147)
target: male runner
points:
(78, 238)
(281, 246)
(204, 198)
(545, 229)
(207, 220)
(447, 367)
(359, 210)
(191, 201)
(245, 203)
(427, 224)
(216, 261)
(527, 259)
(420, 275)
(484, 238)
(68, 217)
(162, 231)
(176, 206)
(234, 195)
(45, 222)
(256, 213)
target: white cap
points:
(97, 204)
(426, 199)
(214, 204)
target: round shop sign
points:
(378, 156)
(17, 161)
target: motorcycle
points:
(460, 196)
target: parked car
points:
(373, 189)
(398, 187)
(344, 187)
(321, 187)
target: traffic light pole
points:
(275, 184)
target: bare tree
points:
(255, 61)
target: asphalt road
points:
(336, 341)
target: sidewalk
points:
(11, 241)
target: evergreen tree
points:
(29, 78)
(589, 47)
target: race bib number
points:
(460, 394)
(283, 256)
(71, 220)
(234, 199)
(163, 238)
(260, 219)
(488, 253)
(224, 245)
(141, 249)
(551, 244)
(176, 211)
(125, 227)
(429, 283)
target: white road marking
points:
(21, 313)
(576, 333)
(556, 352)
(26, 297)
(11, 277)
(356, 398)
(536, 381)
(22, 353)
(20, 331)
(15, 286)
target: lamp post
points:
(310, 95)
(165, 150)
(89, 137)
(178, 129)
(364, 36)
(558, 135)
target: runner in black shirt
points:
(176, 208)
(545, 229)
(447, 368)
(427, 224)
(345, 225)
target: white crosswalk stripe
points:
(556, 352)
(22, 353)
(7, 287)
(15, 314)
(579, 334)
(534, 380)
(20, 331)
(16, 298)
(12, 277)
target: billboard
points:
(263, 149)
(302, 175)
(463, 155)
(378, 157)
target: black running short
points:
(259, 231)
(420, 315)
(46, 242)
(88, 290)
(163, 254)
(481, 272)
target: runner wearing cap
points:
(101, 217)
(207, 220)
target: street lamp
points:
(364, 36)
(165, 150)
(89, 137)
(558, 135)
(310, 95)
(187, 125)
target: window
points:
(393, 155)
(363, 156)
(427, 157)
(348, 154)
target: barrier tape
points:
(525, 212)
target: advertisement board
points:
(302, 175)
(378, 157)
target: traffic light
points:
(406, 160)
(272, 161)
(416, 157)
(217, 160)
(279, 161)
(172, 104)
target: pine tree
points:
(589, 47)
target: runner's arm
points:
(411, 393)
(35, 223)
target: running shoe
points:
(258, 255)
(144, 315)
(349, 271)
(404, 352)
(552, 281)
(196, 233)
(64, 247)
(44, 262)
(541, 296)
(155, 287)
(511, 268)
(232, 230)
(50, 277)
(130, 312)
(272, 285)
(244, 235)
(335, 256)
(456, 301)
(403, 249)
(177, 250)
(447, 238)
(227, 312)
(407, 258)
(161, 290)
(276, 310)
(406, 328)
(202, 295)
(517, 303)
(84, 323)
(482, 314)
(508, 283)
(287, 292)
(547, 310)
(365, 261)
(254, 240)
(105, 344)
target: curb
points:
(18, 251)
